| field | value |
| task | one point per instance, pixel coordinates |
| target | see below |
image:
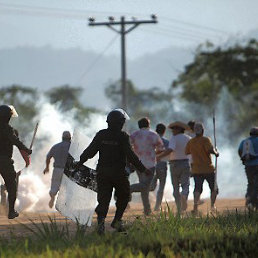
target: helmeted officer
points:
(8, 138)
(114, 150)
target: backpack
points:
(248, 152)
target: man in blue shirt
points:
(248, 152)
(161, 169)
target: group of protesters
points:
(188, 153)
(145, 149)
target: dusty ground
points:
(16, 226)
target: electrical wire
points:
(182, 33)
(195, 25)
(91, 66)
(50, 9)
(80, 14)
(170, 35)
(186, 30)
(70, 16)
(190, 30)
(40, 13)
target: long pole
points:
(123, 65)
(34, 134)
(215, 145)
(123, 31)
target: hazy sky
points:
(64, 23)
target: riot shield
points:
(77, 197)
(19, 162)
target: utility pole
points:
(122, 23)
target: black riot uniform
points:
(114, 150)
(8, 138)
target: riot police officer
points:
(114, 150)
(8, 138)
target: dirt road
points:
(16, 226)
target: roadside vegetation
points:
(229, 235)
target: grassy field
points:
(232, 234)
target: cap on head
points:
(198, 128)
(254, 131)
(66, 135)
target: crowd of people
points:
(188, 153)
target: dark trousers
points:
(252, 184)
(107, 180)
(8, 173)
(199, 179)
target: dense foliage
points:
(232, 71)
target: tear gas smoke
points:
(230, 171)
(34, 186)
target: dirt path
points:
(16, 226)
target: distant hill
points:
(46, 67)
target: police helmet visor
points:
(13, 111)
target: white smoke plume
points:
(230, 171)
(33, 184)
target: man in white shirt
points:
(59, 152)
(179, 163)
(145, 143)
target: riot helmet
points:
(116, 118)
(6, 112)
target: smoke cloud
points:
(34, 186)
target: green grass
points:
(229, 235)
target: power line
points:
(190, 30)
(170, 35)
(40, 13)
(80, 14)
(91, 66)
(196, 25)
(134, 23)
(50, 9)
(172, 30)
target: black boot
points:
(118, 225)
(101, 226)
(13, 214)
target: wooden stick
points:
(215, 145)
